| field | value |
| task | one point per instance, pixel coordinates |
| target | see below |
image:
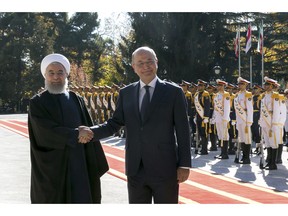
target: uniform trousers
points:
(244, 133)
(270, 138)
(222, 130)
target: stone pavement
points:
(15, 169)
(273, 179)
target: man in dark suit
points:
(158, 154)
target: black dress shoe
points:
(246, 161)
(271, 167)
(231, 152)
(217, 156)
(213, 149)
(222, 157)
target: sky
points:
(107, 6)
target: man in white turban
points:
(63, 171)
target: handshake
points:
(85, 134)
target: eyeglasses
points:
(147, 63)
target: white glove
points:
(205, 120)
(233, 123)
(194, 119)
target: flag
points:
(236, 43)
(260, 39)
(248, 38)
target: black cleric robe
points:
(62, 170)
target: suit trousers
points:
(143, 188)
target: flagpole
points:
(239, 53)
(251, 68)
(262, 72)
(248, 49)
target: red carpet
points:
(202, 187)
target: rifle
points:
(197, 140)
(261, 165)
(237, 153)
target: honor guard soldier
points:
(202, 105)
(114, 96)
(286, 120)
(77, 89)
(255, 128)
(93, 103)
(233, 133)
(113, 101)
(212, 129)
(100, 102)
(243, 106)
(107, 90)
(221, 117)
(193, 89)
(269, 120)
(86, 94)
(188, 95)
(281, 123)
(82, 91)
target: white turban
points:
(55, 57)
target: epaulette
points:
(233, 96)
(275, 95)
(205, 93)
(248, 94)
(260, 97)
(226, 94)
(116, 93)
(188, 93)
(281, 97)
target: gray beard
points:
(56, 89)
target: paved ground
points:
(15, 170)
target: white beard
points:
(56, 89)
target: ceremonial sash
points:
(112, 103)
(92, 103)
(99, 101)
(105, 102)
(239, 109)
(266, 114)
(198, 106)
(85, 100)
(219, 106)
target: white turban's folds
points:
(55, 57)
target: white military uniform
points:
(221, 114)
(286, 120)
(282, 116)
(270, 118)
(243, 105)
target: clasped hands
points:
(85, 134)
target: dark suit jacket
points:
(162, 140)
